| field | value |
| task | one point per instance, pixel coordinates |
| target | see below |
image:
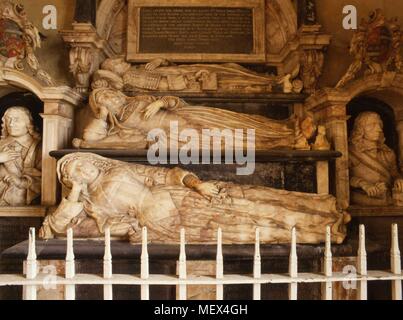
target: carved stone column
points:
(331, 111)
(399, 128)
(57, 134)
(87, 49)
(337, 133)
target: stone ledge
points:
(261, 156)
(23, 212)
(360, 211)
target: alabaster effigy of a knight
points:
(375, 179)
(105, 193)
(20, 159)
(122, 122)
(165, 76)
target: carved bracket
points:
(87, 49)
(313, 44)
(311, 68)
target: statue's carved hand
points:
(398, 186)
(12, 180)
(7, 156)
(376, 190)
(151, 66)
(78, 219)
(209, 190)
(156, 63)
(152, 109)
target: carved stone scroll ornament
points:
(20, 159)
(311, 68)
(374, 176)
(19, 39)
(375, 46)
(81, 63)
(162, 75)
(122, 122)
(127, 197)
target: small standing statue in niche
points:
(127, 197)
(374, 175)
(321, 142)
(20, 159)
(122, 122)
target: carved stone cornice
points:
(388, 84)
(14, 78)
(305, 53)
(85, 34)
(326, 97)
(308, 37)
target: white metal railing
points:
(33, 279)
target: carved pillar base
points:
(57, 134)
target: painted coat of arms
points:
(375, 46)
(12, 43)
(19, 39)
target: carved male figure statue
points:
(162, 75)
(374, 174)
(20, 159)
(127, 197)
(125, 122)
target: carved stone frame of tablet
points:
(259, 46)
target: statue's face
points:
(16, 122)
(112, 100)
(83, 171)
(373, 130)
(121, 67)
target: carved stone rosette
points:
(19, 39)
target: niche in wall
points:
(362, 104)
(27, 100)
